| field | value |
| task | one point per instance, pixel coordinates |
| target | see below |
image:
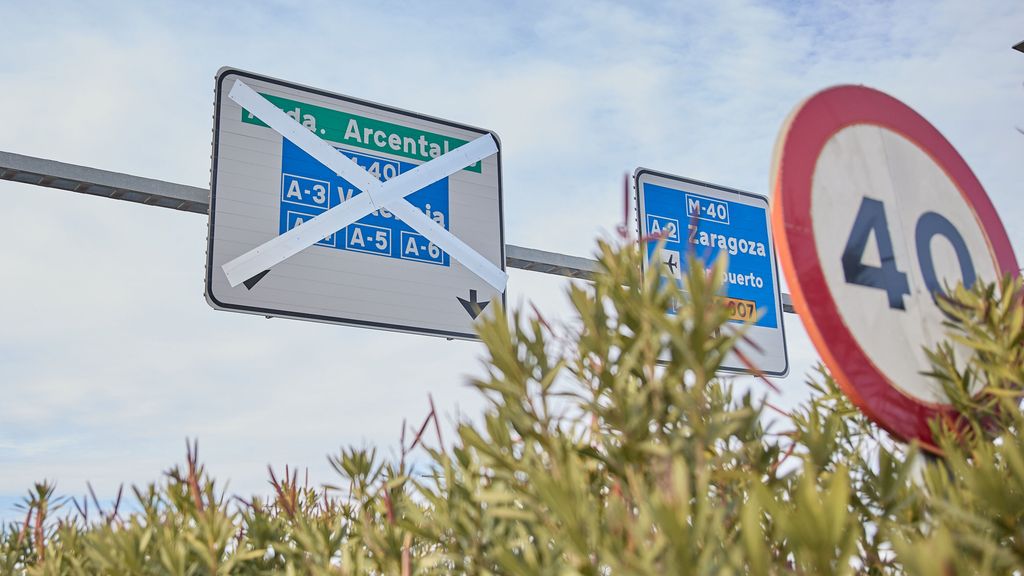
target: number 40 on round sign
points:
(871, 222)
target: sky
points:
(109, 355)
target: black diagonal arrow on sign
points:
(472, 306)
(252, 281)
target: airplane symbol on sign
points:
(672, 264)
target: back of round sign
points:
(874, 211)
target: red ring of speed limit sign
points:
(874, 210)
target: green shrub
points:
(594, 458)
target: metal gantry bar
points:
(85, 180)
(119, 186)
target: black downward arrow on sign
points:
(472, 306)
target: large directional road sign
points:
(402, 212)
(697, 219)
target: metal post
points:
(86, 180)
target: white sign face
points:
(696, 219)
(895, 194)
(420, 246)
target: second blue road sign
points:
(702, 220)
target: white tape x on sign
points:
(377, 194)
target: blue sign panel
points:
(308, 189)
(694, 224)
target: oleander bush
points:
(595, 458)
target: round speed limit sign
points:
(874, 213)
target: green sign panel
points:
(359, 131)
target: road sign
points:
(875, 213)
(418, 200)
(704, 220)
(376, 193)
